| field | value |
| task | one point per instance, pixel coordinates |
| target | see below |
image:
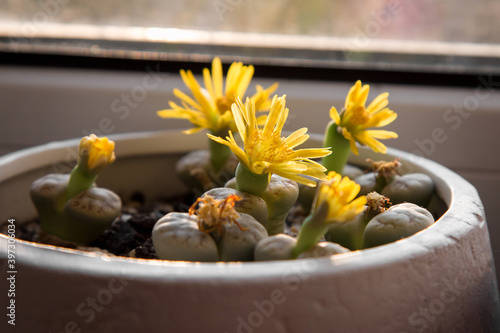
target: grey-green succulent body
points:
(80, 218)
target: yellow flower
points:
(265, 151)
(356, 119)
(338, 195)
(96, 153)
(211, 106)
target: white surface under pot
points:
(439, 280)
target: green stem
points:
(341, 149)
(218, 153)
(368, 215)
(79, 181)
(249, 182)
(380, 183)
(313, 228)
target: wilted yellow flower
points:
(356, 120)
(214, 214)
(211, 106)
(338, 195)
(95, 153)
(265, 151)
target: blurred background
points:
(423, 20)
(70, 67)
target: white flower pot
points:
(439, 280)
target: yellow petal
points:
(238, 116)
(365, 139)
(244, 80)
(316, 166)
(261, 97)
(217, 76)
(302, 180)
(199, 96)
(354, 148)
(272, 118)
(250, 114)
(378, 103)
(318, 174)
(381, 118)
(297, 138)
(179, 94)
(237, 151)
(218, 139)
(282, 117)
(177, 113)
(310, 153)
(382, 134)
(192, 130)
(231, 78)
(261, 120)
(363, 94)
(334, 115)
(208, 83)
(353, 92)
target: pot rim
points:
(465, 211)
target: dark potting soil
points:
(130, 233)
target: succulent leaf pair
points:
(215, 231)
(70, 206)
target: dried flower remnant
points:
(385, 169)
(213, 214)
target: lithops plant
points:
(210, 108)
(279, 196)
(306, 193)
(323, 249)
(417, 188)
(277, 247)
(248, 203)
(398, 222)
(212, 231)
(265, 186)
(197, 172)
(353, 125)
(176, 236)
(281, 247)
(71, 207)
(335, 202)
(350, 233)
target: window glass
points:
(425, 20)
(358, 29)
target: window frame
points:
(274, 56)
